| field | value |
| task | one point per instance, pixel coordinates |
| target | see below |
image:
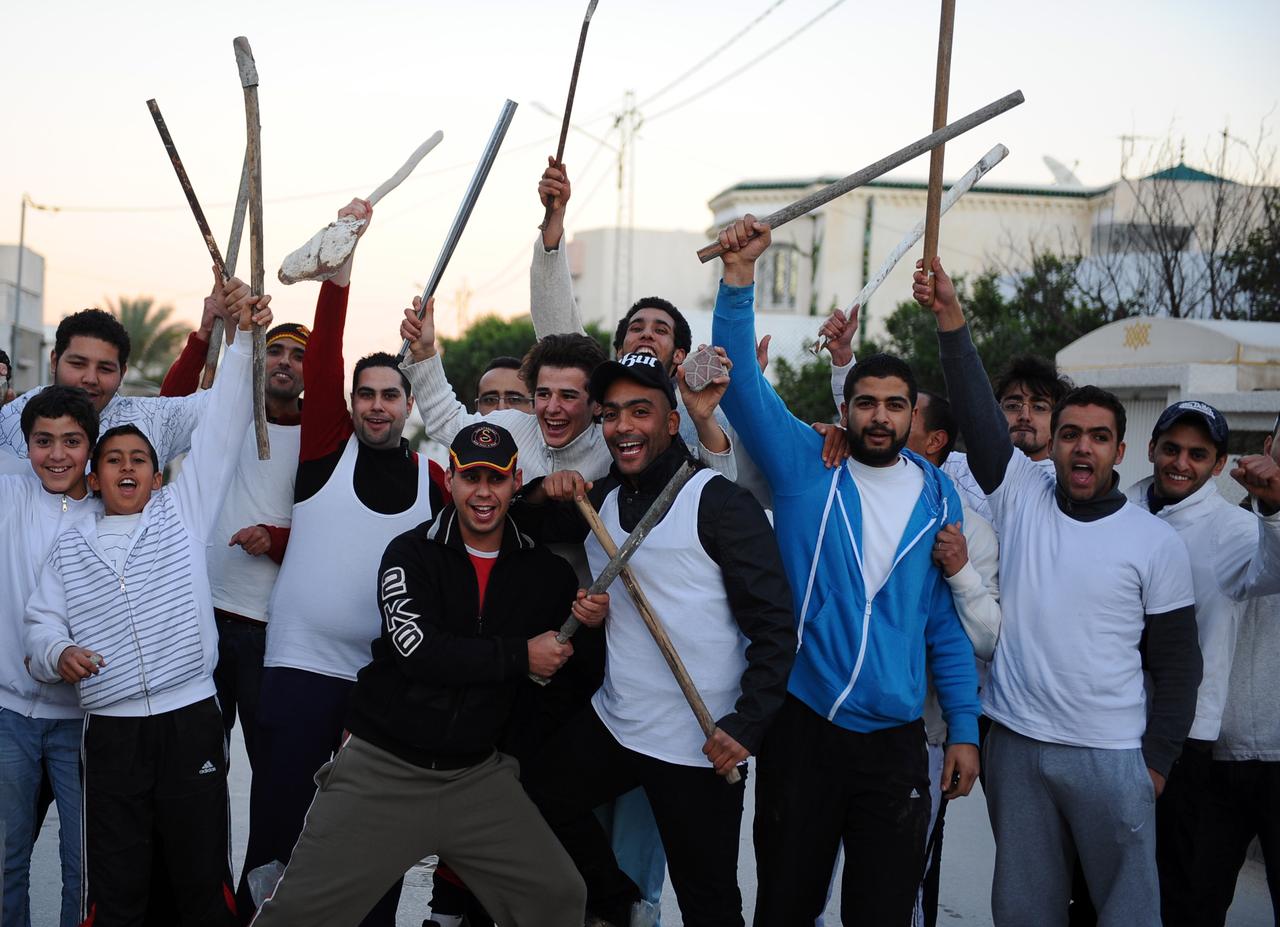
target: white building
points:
(1150, 362)
(28, 355)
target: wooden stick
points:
(568, 106)
(958, 189)
(941, 89)
(185, 182)
(253, 154)
(883, 166)
(654, 624)
(217, 336)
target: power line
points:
(715, 54)
(750, 64)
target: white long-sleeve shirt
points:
(152, 618)
(33, 519)
(1235, 557)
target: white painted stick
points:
(406, 169)
(958, 189)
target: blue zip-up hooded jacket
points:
(859, 664)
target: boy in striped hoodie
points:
(123, 612)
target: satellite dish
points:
(1063, 176)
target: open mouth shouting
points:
(1081, 475)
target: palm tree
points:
(155, 340)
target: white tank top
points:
(261, 493)
(640, 702)
(324, 611)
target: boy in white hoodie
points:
(123, 611)
(40, 724)
(1235, 557)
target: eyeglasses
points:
(490, 401)
(1014, 406)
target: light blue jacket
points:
(861, 664)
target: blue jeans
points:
(25, 745)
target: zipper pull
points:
(64, 502)
(122, 582)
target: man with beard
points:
(1093, 592)
(248, 543)
(1235, 557)
(358, 486)
(845, 761)
(713, 548)
(1027, 391)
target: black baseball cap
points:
(1199, 412)
(644, 369)
(483, 445)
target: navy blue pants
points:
(300, 719)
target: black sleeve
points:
(986, 433)
(548, 522)
(1171, 654)
(736, 534)
(414, 624)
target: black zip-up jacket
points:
(445, 673)
(736, 535)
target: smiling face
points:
(91, 364)
(561, 404)
(1085, 451)
(638, 423)
(1184, 459)
(1029, 414)
(652, 331)
(878, 415)
(482, 496)
(59, 452)
(379, 407)
(284, 369)
(125, 476)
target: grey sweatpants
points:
(375, 815)
(1048, 803)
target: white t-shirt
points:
(1074, 596)
(114, 535)
(888, 497)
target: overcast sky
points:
(348, 90)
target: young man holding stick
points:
(1093, 592)
(715, 548)
(122, 612)
(846, 761)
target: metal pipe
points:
(464, 209)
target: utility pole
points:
(14, 356)
(627, 123)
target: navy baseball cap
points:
(483, 445)
(1199, 412)
(644, 369)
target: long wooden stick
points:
(253, 154)
(958, 189)
(217, 336)
(941, 90)
(900, 157)
(654, 624)
(573, 88)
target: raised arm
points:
(183, 377)
(551, 302)
(206, 472)
(986, 434)
(779, 443)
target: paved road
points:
(968, 856)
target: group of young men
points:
(858, 606)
